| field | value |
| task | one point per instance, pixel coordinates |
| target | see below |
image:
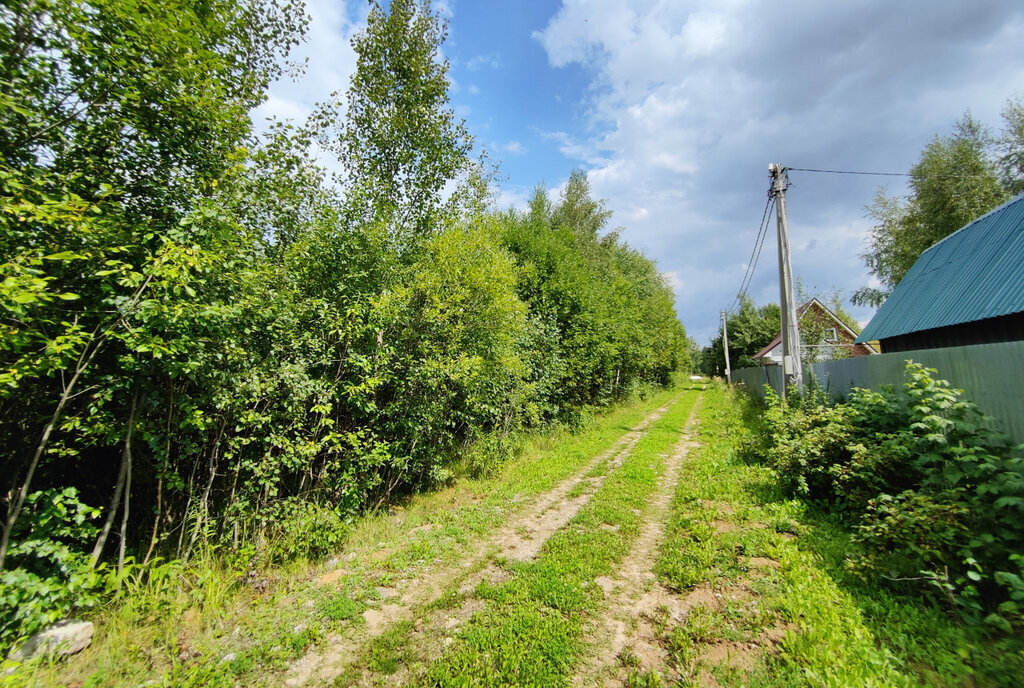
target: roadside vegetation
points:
(216, 621)
(213, 350)
(768, 590)
(935, 498)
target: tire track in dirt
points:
(523, 542)
(519, 539)
(634, 591)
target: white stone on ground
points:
(64, 638)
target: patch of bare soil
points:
(330, 577)
(762, 563)
(431, 634)
(739, 655)
(520, 539)
(635, 598)
(732, 654)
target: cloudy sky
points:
(675, 108)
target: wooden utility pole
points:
(792, 370)
(725, 346)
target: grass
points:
(828, 627)
(787, 612)
(530, 630)
(207, 624)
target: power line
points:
(873, 174)
(750, 261)
(755, 253)
(759, 247)
(889, 174)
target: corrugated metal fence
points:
(991, 375)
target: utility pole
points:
(725, 346)
(792, 370)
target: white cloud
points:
(330, 62)
(444, 8)
(490, 60)
(691, 100)
(704, 33)
(280, 108)
(515, 197)
(574, 148)
(512, 148)
(474, 90)
(672, 279)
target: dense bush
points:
(603, 319)
(934, 495)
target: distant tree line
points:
(214, 340)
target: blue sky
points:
(674, 108)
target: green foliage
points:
(449, 348)
(303, 528)
(1010, 147)
(750, 329)
(51, 576)
(937, 497)
(816, 327)
(270, 351)
(602, 323)
(340, 607)
(833, 627)
(401, 143)
(955, 181)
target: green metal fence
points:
(991, 375)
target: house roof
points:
(771, 345)
(975, 273)
(799, 314)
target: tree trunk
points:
(127, 498)
(122, 474)
(156, 519)
(83, 362)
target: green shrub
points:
(302, 528)
(935, 497)
(48, 574)
(341, 606)
(905, 533)
(809, 446)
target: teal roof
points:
(977, 272)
